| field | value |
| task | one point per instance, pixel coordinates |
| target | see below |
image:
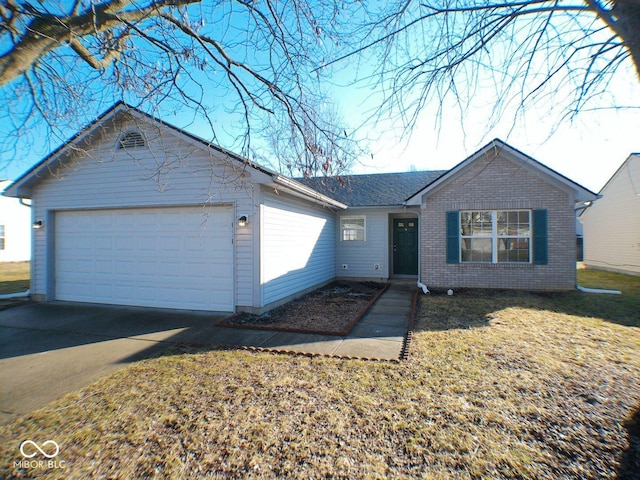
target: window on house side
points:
(352, 229)
(1, 237)
(495, 236)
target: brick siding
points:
(497, 183)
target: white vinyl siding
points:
(612, 224)
(154, 257)
(171, 171)
(361, 258)
(298, 248)
(357, 259)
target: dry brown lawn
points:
(14, 277)
(497, 385)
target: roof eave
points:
(22, 186)
(382, 206)
(299, 189)
(581, 194)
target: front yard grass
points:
(497, 384)
(14, 277)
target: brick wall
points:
(497, 183)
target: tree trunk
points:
(627, 14)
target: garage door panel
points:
(159, 257)
(104, 242)
(104, 268)
(123, 267)
(147, 268)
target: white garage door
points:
(155, 257)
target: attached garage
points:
(133, 211)
(175, 257)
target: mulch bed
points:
(331, 310)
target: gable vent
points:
(132, 140)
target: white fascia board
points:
(403, 206)
(300, 190)
(624, 164)
(258, 173)
(21, 189)
(10, 192)
(416, 199)
(581, 194)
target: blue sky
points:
(587, 149)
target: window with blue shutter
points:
(453, 237)
(540, 240)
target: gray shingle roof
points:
(373, 190)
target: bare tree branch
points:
(259, 64)
(249, 59)
(431, 51)
(46, 32)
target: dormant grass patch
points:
(497, 384)
(14, 277)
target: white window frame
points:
(495, 237)
(363, 229)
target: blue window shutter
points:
(540, 242)
(453, 237)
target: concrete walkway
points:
(380, 335)
(49, 349)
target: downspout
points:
(422, 286)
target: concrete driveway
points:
(47, 350)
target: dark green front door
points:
(405, 246)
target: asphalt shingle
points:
(373, 190)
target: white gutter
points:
(8, 296)
(299, 188)
(598, 290)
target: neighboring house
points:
(612, 224)
(15, 229)
(137, 212)
(579, 235)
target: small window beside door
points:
(353, 229)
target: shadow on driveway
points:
(49, 349)
(42, 327)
